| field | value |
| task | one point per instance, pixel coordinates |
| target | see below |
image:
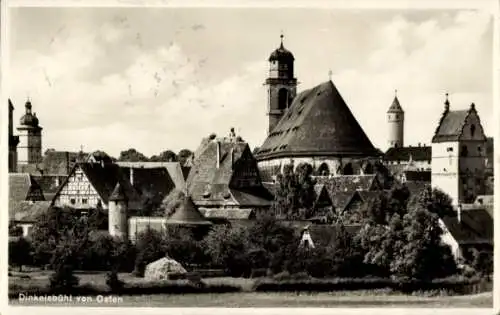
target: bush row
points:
(454, 285)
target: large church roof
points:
(317, 123)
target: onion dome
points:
(281, 53)
(29, 118)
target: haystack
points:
(162, 268)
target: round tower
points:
(396, 123)
(282, 86)
(117, 213)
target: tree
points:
(132, 155)
(165, 156)
(420, 254)
(228, 247)
(184, 155)
(149, 249)
(435, 201)
(19, 253)
(482, 262)
(295, 194)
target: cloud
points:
(164, 98)
(423, 61)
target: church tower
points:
(30, 135)
(396, 123)
(282, 86)
(13, 141)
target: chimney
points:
(459, 213)
(132, 176)
(218, 156)
(419, 144)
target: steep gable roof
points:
(452, 123)
(317, 123)
(152, 184)
(174, 170)
(22, 187)
(225, 173)
(103, 177)
(423, 153)
(475, 226)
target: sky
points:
(163, 78)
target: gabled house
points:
(224, 175)
(91, 184)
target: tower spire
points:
(395, 93)
(281, 37)
(330, 73)
(446, 103)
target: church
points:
(315, 126)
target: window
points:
(479, 150)
(449, 149)
(73, 201)
(84, 201)
(282, 99)
(472, 130)
(464, 151)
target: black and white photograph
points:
(249, 156)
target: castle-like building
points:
(315, 126)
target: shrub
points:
(20, 253)
(149, 248)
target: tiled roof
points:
(187, 214)
(423, 153)
(25, 211)
(451, 124)
(174, 169)
(348, 183)
(317, 123)
(419, 176)
(475, 226)
(340, 200)
(235, 181)
(395, 106)
(152, 184)
(228, 214)
(22, 187)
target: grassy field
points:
(360, 298)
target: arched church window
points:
(283, 99)
(348, 170)
(323, 170)
(472, 130)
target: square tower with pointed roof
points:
(459, 154)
